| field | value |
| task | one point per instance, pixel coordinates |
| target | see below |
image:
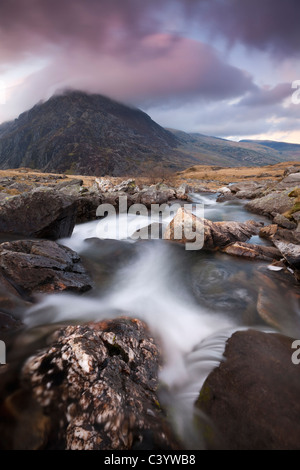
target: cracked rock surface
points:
(98, 383)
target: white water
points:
(149, 287)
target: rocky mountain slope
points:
(80, 133)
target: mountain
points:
(283, 148)
(80, 133)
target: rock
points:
(153, 196)
(87, 207)
(128, 186)
(98, 384)
(293, 179)
(269, 231)
(8, 324)
(291, 169)
(215, 234)
(290, 251)
(278, 301)
(244, 186)
(182, 192)
(104, 184)
(40, 214)
(71, 187)
(24, 426)
(224, 190)
(248, 189)
(296, 216)
(42, 266)
(282, 221)
(253, 396)
(248, 250)
(275, 202)
(223, 197)
(69, 183)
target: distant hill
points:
(284, 148)
(80, 133)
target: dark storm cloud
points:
(118, 48)
(271, 25)
(264, 24)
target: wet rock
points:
(253, 396)
(87, 207)
(40, 214)
(269, 231)
(290, 251)
(23, 424)
(215, 234)
(284, 222)
(227, 196)
(42, 266)
(274, 203)
(8, 324)
(248, 250)
(278, 300)
(98, 384)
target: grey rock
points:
(275, 202)
(253, 396)
(42, 266)
(40, 213)
(284, 222)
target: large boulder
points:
(98, 383)
(253, 396)
(42, 266)
(215, 234)
(38, 213)
(273, 203)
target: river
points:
(192, 300)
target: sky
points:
(227, 68)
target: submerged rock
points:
(42, 266)
(253, 396)
(98, 383)
(41, 214)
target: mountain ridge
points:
(80, 133)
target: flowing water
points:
(192, 300)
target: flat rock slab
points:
(274, 203)
(253, 396)
(42, 266)
(248, 250)
(98, 383)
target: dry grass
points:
(216, 176)
(211, 176)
